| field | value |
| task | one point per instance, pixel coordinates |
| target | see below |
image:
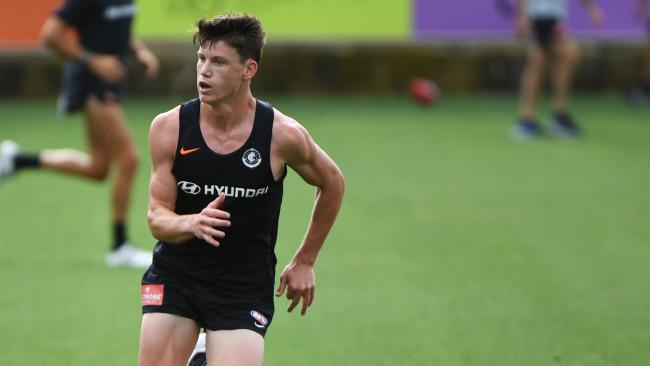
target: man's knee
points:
(129, 160)
(569, 52)
(538, 61)
(99, 168)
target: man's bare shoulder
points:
(288, 131)
(166, 120)
(163, 134)
(290, 138)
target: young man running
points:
(215, 192)
(92, 83)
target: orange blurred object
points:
(20, 23)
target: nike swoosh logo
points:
(188, 151)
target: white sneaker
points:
(129, 256)
(8, 151)
(199, 348)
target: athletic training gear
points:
(547, 9)
(79, 83)
(119, 235)
(230, 286)
(526, 129)
(8, 151)
(562, 125)
(547, 31)
(127, 255)
(198, 356)
(103, 26)
(22, 161)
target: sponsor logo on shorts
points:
(251, 158)
(152, 294)
(260, 320)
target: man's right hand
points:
(107, 67)
(210, 218)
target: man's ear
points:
(250, 69)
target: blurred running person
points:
(92, 83)
(216, 187)
(552, 46)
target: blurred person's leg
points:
(639, 93)
(567, 55)
(166, 339)
(537, 61)
(646, 65)
(107, 128)
(109, 142)
(536, 64)
(94, 165)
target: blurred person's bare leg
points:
(166, 339)
(537, 61)
(567, 55)
(240, 347)
(93, 165)
(531, 79)
(109, 141)
(646, 66)
(110, 127)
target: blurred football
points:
(424, 91)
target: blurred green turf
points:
(282, 19)
(455, 245)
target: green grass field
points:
(455, 245)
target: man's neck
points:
(227, 115)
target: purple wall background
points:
(482, 19)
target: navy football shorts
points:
(79, 83)
(547, 31)
(172, 294)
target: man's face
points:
(219, 71)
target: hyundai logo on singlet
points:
(252, 158)
(189, 187)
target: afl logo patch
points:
(252, 158)
(189, 187)
(260, 320)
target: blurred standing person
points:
(219, 162)
(640, 94)
(92, 83)
(551, 46)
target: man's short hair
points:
(243, 32)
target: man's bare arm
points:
(164, 223)
(55, 36)
(305, 157)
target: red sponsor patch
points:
(152, 294)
